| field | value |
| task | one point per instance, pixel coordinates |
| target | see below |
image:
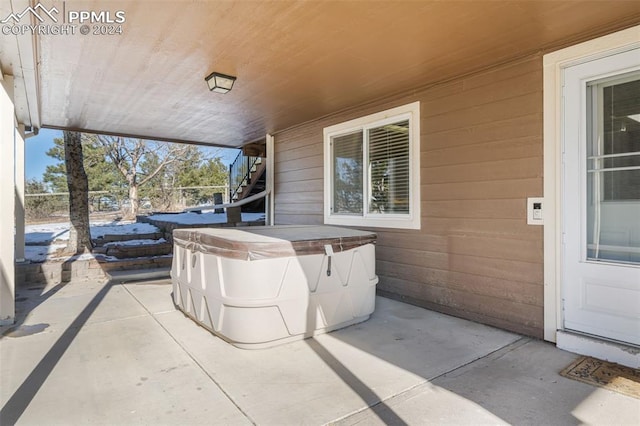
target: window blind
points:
(347, 173)
(389, 177)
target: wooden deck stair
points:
(247, 173)
(254, 183)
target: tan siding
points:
(481, 157)
(519, 168)
(300, 163)
(507, 290)
(500, 130)
(300, 197)
(491, 189)
(525, 147)
(297, 175)
(288, 154)
(513, 270)
(300, 187)
(464, 300)
(504, 109)
(299, 219)
(301, 208)
(468, 99)
(479, 246)
(503, 228)
(482, 209)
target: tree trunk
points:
(79, 233)
(135, 201)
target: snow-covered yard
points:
(43, 240)
(50, 232)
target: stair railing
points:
(240, 173)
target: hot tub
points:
(261, 286)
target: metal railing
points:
(240, 173)
(56, 204)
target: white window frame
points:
(411, 220)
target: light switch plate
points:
(535, 211)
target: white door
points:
(601, 197)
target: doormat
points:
(624, 380)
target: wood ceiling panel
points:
(295, 61)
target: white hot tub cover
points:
(265, 242)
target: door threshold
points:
(607, 350)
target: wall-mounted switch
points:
(535, 213)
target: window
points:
(613, 168)
(614, 149)
(372, 170)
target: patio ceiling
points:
(295, 61)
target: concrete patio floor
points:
(119, 354)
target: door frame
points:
(553, 68)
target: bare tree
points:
(78, 185)
(129, 154)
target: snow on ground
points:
(192, 218)
(119, 228)
(46, 233)
(40, 253)
(135, 242)
(45, 239)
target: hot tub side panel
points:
(269, 301)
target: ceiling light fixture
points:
(220, 83)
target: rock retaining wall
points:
(57, 271)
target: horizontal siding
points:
(514, 317)
(300, 187)
(488, 189)
(519, 168)
(505, 292)
(296, 154)
(302, 163)
(483, 209)
(299, 219)
(526, 250)
(512, 270)
(472, 98)
(481, 157)
(499, 130)
(500, 228)
(298, 176)
(509, 149)
(502, 110)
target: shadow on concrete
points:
(368, 396)
(25, 303)
(364, 392)
(22, 397)
(518, 383)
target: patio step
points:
(59, 270)
(127, 251)
(111, 238)
(139, 274)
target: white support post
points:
(20, 207)
(7, 195)
(270, 202)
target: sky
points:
(37, 160)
